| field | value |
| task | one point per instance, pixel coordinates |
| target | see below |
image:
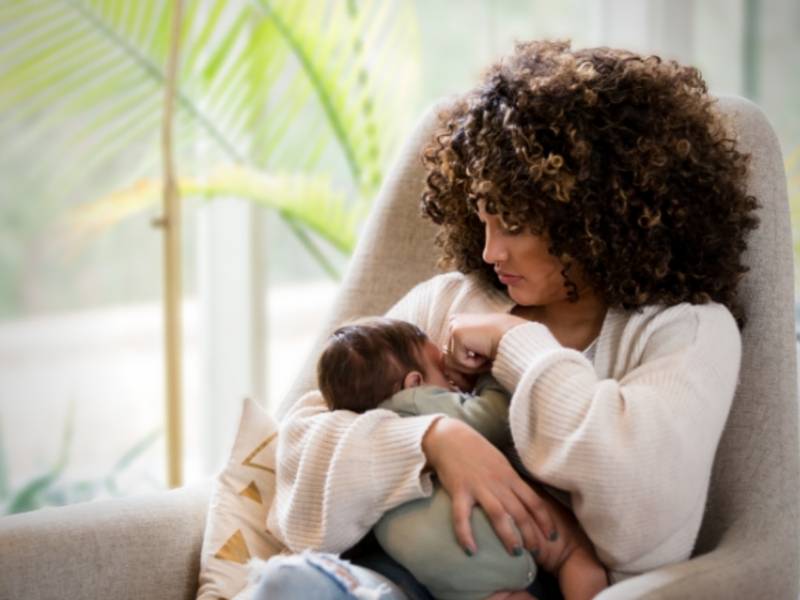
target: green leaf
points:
(310, 200)
(66, 439)
(4, 475)
(252, 72)
(29, 497)
(60, 494)
(136, 451)
(210, 23)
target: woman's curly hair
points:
(621, 161)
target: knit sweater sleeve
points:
(634, 452)
(339, 471)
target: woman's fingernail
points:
(517, 551)
(553, 536)
(468, 552)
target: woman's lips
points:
(507, 279)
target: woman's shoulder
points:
(711, 315)
(454, 283)
(430, 302)
(450, 279)
(660, 329)
(427, 299)
(685, 333)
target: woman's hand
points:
(474, 472)
(473, 340)
(463, 381)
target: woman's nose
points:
(494, 250)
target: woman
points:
(593, 205)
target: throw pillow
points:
(237, 514)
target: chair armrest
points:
(139, 547)
(736, 569)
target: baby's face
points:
(433, 364)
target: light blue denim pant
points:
(321, 576)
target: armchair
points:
(149, 547)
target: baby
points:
(391, 364)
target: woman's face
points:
(530, 273)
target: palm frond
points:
(266, 83)
(307, 199)
(29, 497)
(338, 57)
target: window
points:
(81, 375)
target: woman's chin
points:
(519, 296)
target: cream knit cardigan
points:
(632, 437)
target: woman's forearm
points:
(474, 472)
(338, 472)
(636, 451)
(478, 334)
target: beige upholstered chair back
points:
(754, 490)
(395, 250)
(749, 538)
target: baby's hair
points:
(364, 362)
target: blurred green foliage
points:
(288, 88)
(50, 488)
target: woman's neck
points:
(574, 324)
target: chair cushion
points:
(237, 513)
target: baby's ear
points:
(413, 379)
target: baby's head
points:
(366, 361)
